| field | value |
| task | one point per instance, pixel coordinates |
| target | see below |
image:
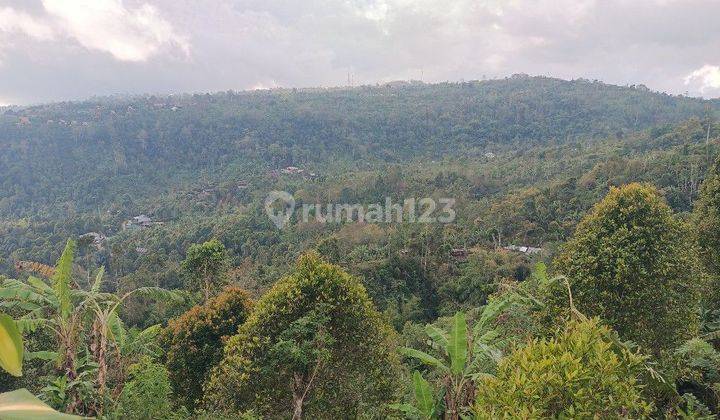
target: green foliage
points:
(22, 405)
(692, 409)
(303, 346)
(578, 374)
(61, 280)
(697, 371)
(707, 224)
(426, 403)
(146, 395)
(194, 341)
(631, 263)
(206, 265)
(314, 342)
(11, 346)
(478, 278)
(465, 355)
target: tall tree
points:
(206, 265)
(313, 346)
(632, 263)
(707, 223)
(194, 341)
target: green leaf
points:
(22, 405)
(61, 279)
(423, 396)
(40, 285)
(424, 358)
(437, 335)
(98, 281)
(11, 346)
(30, 324)
(458, 344)
(409, 410)
(489, 313)
(116, 329)
(42, 355)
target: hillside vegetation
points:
(163, 200)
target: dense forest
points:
(578, 280)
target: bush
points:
(577, 374)
(698, 371)
(146, 395)
(315, 334)
(631, 263)
(195, 341)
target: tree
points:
(194, 341)
(206, 264)
(631, 263)
(707, 222)
(84, 325)
(313, 346)
(577, 374)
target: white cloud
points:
(107, 25)
(12, 21)
(707, 76)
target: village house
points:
(137, 222)
(523, 249)
(97, 239)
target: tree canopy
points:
(632, 263)
(342, 360)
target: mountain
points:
(524, 157)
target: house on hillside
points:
(97, 239)
(523, 249)
(138, 222)
(142, 220)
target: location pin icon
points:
(280, 218)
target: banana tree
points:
(464, 356)
(49, 306)
(426, 404)
(66, 310)
(19, 404)
(108, 329)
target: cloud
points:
(12, 21)
(97, 47)
(107, 25)
(707, 76)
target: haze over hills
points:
(82, 151)
(202, 164)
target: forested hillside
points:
(563, 189)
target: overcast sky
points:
(69, 49)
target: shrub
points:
(577, 374)
(146, 395)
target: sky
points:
(54, 50)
